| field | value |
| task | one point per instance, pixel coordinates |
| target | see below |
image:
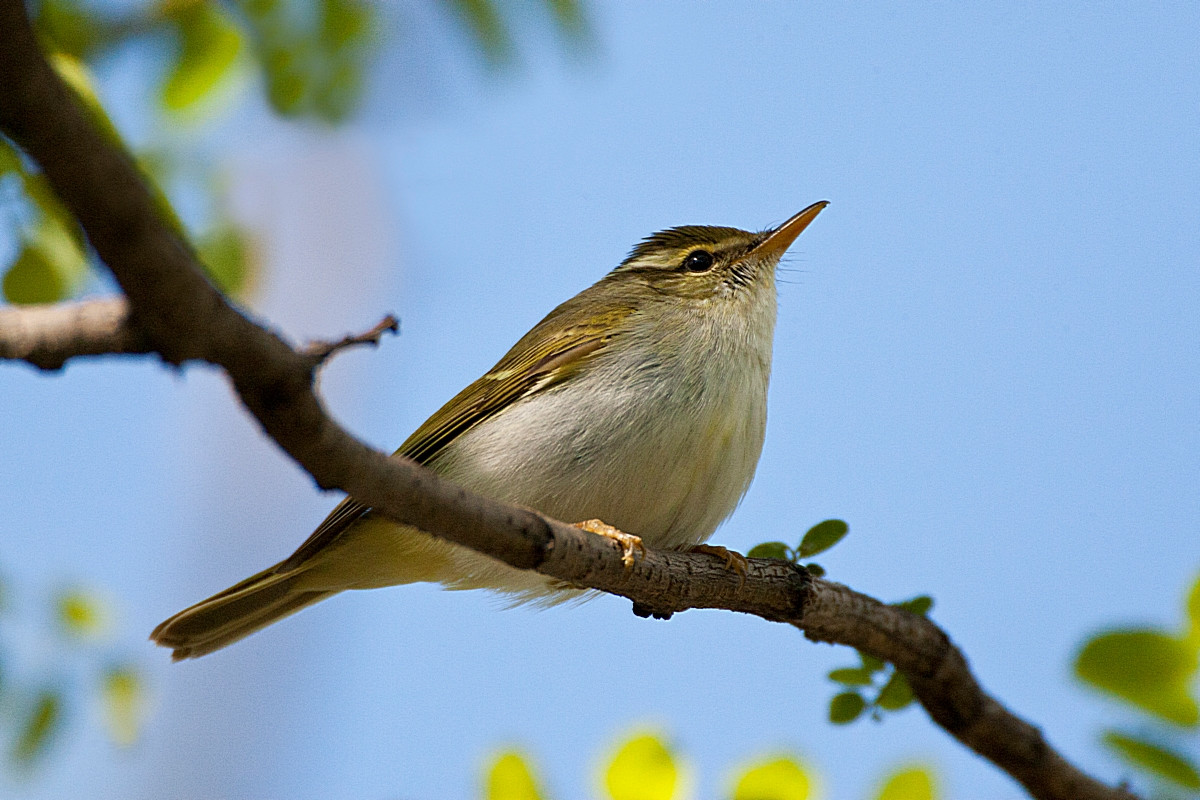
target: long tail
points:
(236, 612)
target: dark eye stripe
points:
(698, 261)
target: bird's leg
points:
(630, 544)
(733, 559)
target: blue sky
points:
(986, 362)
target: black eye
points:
(698, 261)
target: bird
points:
(636, 409)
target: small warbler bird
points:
(639, 405)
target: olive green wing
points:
(545, 356)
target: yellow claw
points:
(630, 544)
(733, 559)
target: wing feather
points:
(542, 358)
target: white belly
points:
(662, 453)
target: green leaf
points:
(1193, 612)
(10, 159)
(32, 278)
(895, 694)
(484, 23)
(569, 16)
(81, 614)
(852, 676)
(912, 783)
(846, 707)
(777, 550)
(642, 769)
(871, 662)
(209, 45)
(822, 536)
(42, 722)
(225, 253)
(1147, 668)
(511, 778)
(919, 605)
(1154, 759)
(815, 569)
(344, 22)
(123, 695)
(780, 778)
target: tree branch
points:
(47, 336)
(182, 317)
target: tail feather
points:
(235, 613)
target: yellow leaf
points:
(210, 44)
(642, 769)
(124, 704)
(911, 783)
(511, 778)
(82, 614)
(781, 778)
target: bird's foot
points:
(630, 544)
(733, 560)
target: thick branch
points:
(47, 336)
(180, 316)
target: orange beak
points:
(782, 237)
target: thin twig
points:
(320, 351)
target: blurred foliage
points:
(309, 56)
(643, 766)
(51, 673)
(1154, 673)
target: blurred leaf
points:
(1154, 758)
(124, 697)
(49, 266)
(776, 779)
(642, 769)
(913, 783)
(484, 23)
(338, 95)
(846, 707)
(285, 83)
(67, 27)
(1148, 668)
(569, 16)
(511, 778)
(777, 550)
(225, 254)
(344, 22)
(32, 278)
(42, 722)
(1193, 612)
(919, 605)
(851, 677)
(209, 44)
(10, 159)
(896, 693)
(871, 662)
(815, 569)
(81, 614)
(822, 536)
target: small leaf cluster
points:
(817, 539)
(644, 766)
(873, 687)
(73, 667)
(1155, 673)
